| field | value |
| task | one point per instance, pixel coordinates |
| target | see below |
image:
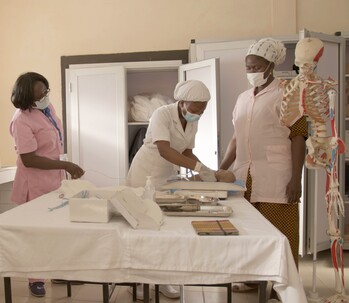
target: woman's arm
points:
(171, 155)
(189, 153)
(187, 157)
(34, 161)
(294, 187)
(230, 154)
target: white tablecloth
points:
(37, 243)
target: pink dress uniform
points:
(34, 132)
(262, 144)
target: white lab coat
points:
(164, 126)
(262, 144)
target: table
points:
(37, 243)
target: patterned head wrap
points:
(269, 49)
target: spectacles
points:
(45, 93)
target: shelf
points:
(346, 75)
(346, 118)
(137, 123)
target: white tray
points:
(196, 194)
(200, 185)
(162, 198)
(204, 211)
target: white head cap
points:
(308, 50)
(269, 49)
(192, 90)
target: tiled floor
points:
(93, 293)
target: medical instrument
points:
(64, 203)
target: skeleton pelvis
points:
(320, 151)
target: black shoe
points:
(37, 289)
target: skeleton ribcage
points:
(305, 98)
(290, 109)
(316, 102)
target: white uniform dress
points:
(164, 126)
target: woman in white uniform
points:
(168, 143)
(170, 138)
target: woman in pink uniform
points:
(266, 154)
(38, 136)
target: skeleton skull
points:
(308, 52)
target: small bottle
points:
(149, 190)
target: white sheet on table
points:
(80, 249)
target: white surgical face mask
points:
(257, 79)
(190, 117)
(42, 103)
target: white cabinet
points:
(232, 78)
(96, 123)
(98, 132)
(207, 137)
(7, 175)
(232, 82)
(346, 139)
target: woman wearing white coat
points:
(169, 142)
(170, 138)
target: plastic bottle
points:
(149, 190)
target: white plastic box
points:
(89, 206)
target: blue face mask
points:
(189, 117)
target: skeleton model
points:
(308, 94)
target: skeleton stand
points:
(313, 294)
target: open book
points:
(216, 228)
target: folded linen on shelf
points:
(142, 106)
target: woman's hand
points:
(294, 190)
(74, 170)
(225, 176)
